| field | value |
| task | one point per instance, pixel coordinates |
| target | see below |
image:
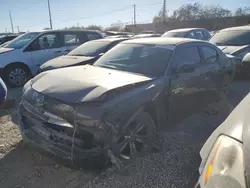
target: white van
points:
(21, 58)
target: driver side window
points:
(44, 42)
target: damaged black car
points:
(116, 106)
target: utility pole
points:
(50, 21)
(164, 11)
(134, 15)
(18, 29)
(6, 30)
(11, 22)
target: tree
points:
(242, 11)
(94, 27)
(195, 11)
(118, 26)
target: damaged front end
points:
(59, 129)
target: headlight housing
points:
(225, 166)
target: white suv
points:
(21, 58)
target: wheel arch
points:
(17, 64)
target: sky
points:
(31, 15)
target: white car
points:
(21, 58)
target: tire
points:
(16, 75)
(138, 139)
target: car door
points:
(44, 48)
(186, 92)
(214, 72)
(72, 39)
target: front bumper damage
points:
(76, 143)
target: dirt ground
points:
(21, 166)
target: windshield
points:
(175, 34)
(144, 59)
(233, 38)
(92, 48)
(21, 41)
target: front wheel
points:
(138, 139)
(16, 75)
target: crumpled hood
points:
(82, 83)
(3, 50)
(231, 49)
(65, 61)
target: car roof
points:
(110, 39)
(184, 29)
(65, 30)
(161, 40)
(242, 28)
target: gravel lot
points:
(174, 166)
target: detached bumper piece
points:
(68, 143)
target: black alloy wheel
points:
(138, 138)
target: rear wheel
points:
(16, 75)
(138, 139)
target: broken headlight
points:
(224, 167)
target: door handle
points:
(58, 51)
(67, 50)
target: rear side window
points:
(94, 36)
(210, 54)
(73, 38)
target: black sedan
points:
(235, 41)
(87, 53)
(117, 105)
(225, 155)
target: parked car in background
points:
(119, 36)
(22, 57)
(114, 33)
(146, 35)
(225, 155)
(236, 42)
(3, 92)
(194, 33)
(87, 53)
(147, 32)
(117, 105)
(4, 44)
(6, 38)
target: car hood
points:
(65, 61)
(233, 127)
(4, 50)
(231, 49)
(82, 83)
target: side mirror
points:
(246, 59)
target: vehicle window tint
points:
(48, 41)
(199, 35)
(188, 55)
(133, 58)
(191, 35)
(210, 54)
(71, 40)
(93, 36)
(231, 37)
